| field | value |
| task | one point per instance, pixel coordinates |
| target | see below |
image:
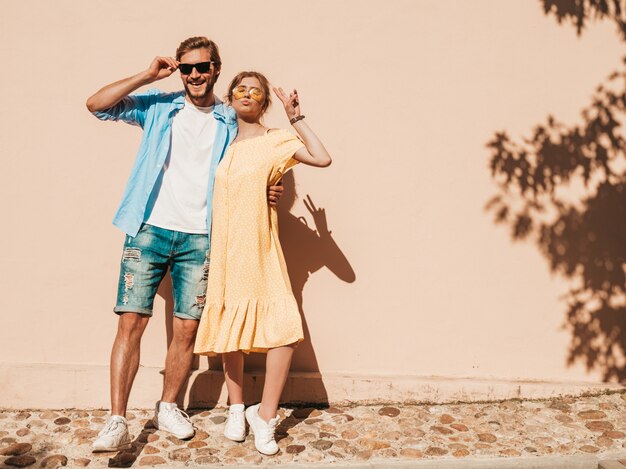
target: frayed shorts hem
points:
(185, 316)
(119, 310)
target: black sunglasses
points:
(202, 67)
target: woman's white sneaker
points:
(236, 424)
(263, 431)
(113, 437)
(169, 417)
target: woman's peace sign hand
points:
(291, 102)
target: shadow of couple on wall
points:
(307, 249)
(564, 188)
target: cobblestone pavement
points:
(509, 429)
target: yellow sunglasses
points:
(255, 93)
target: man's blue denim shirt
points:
(154, 111)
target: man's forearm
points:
(112, 94)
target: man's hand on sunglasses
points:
(162, 67)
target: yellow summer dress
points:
(249, 304)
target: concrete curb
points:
(88, 388)
(612, 464)
(540, 462)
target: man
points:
(166, 215)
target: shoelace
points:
(236, 417)
(110, 427)
(267, 432)
(180, 416)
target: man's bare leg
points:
(178, 362)
(124, 364)
(179, 357)
(125, 359)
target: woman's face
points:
(248, 98)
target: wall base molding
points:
(51, 386)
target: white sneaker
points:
(263, 431)
(236, 424)
(113, 437)
(168, 417)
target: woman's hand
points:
(291, 102)
(313, 153)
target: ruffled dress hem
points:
(249, 325)
(214, 353)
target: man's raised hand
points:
(162, 67)
(111, 94)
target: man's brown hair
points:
(199, 42)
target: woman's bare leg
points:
(233, 375)
(277, 366)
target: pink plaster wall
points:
(405, 94)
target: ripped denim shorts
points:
(145, 261)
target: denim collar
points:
(221, 111)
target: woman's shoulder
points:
(276, 131)
(280, 135)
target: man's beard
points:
(207, 91)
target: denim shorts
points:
(145, 260)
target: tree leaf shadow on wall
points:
(580, 12)
(564, 188)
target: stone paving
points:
(508, 429)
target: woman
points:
(249, 305)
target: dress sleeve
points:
(286, 144)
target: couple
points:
(203, 178)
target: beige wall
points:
(405, 94)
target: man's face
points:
(198, 85)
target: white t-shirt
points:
(181, 203)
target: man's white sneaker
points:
(113, 437)
(236, 424)
(168, 417)
(263, 431)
